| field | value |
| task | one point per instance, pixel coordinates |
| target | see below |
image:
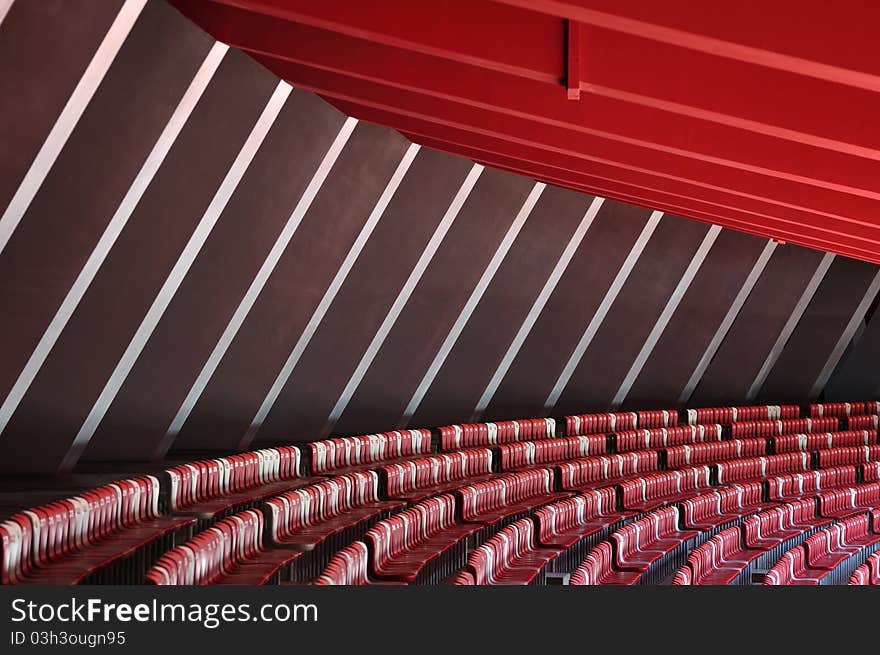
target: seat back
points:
(347, 567)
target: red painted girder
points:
(834, 41)
(616, 66)
(482, 36)
(477, 116)
(673, 209)
(775, 191)
(570, 171)
(670, 203)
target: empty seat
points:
(648, 544)
(840, 503)
(709, 453)
(464, 578)
(531, 453)
(67, 541)
(809, 483)
(842, 409)
(604, 423)
(323, 517)
(867, 573)
(729, 415)
(722, 560)
(598, 569)
(218, 487)
(564, 523)
(710, 510)
(349, 567)
(423, 544)
(603, 470)
(839, 542)
(862, 422)
(824, 440)
(662, 437)
(792, 569)
(576, 524)
(772, 428)
(649, 491)
(347, 453)
(420, 478)
(511, 557)
(230, 552)
(469, 435)
(507, 495)
(848, 455)
(660, 418)
(755, 468)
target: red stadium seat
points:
(417, 479)
(231, 552)
(423, 544)
(603, 470)
(214, 488)
(348, 453)
(662, 437)
(349, 567)
(67, 541)
(511, 557)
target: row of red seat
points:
(828, 557)
(75, 539)
(843, 502)
(215, 487)
(523, 454)
(469, 435)
(863, 422)
(229, 552)
(420, 478)
(511, 557)
(646, 492)
(606, 469)
(734, 501)
(818, 410)
(730, 415)
(751, 468)
(350, 567)
(507, 495)
(641, 552)
(562, 525)
(848, 455)
(713, 510)
(340, 454)
(423, 544)
(868, 573)
(576, 524)
(768, 428)
(823, 440)
(604, 422)
(733, 554)
(707, 453)
(661, 437)
(791, 486)
(324, 517)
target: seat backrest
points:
(594, 568)
(347, 567)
